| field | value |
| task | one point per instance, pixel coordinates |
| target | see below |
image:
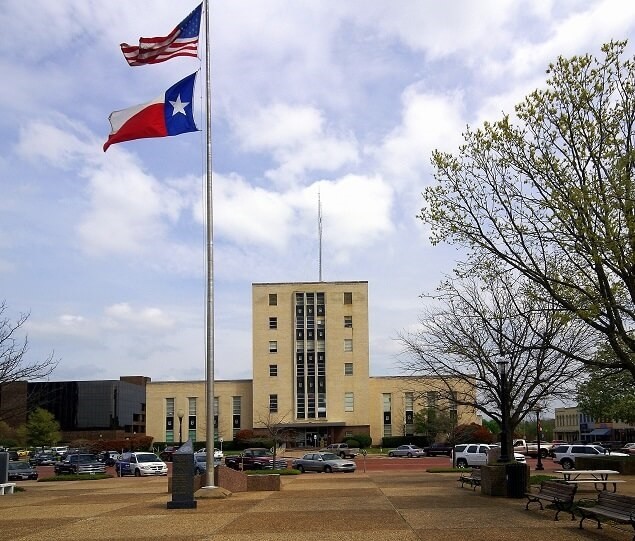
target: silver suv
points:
(565, 455)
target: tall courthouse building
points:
(310, 359)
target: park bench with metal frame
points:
(612, 506)
(473, 478)
(558, 493)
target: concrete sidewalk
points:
(311, 507)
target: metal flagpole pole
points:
(209, 312)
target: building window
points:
(348, 344)
(408, 414)
(273, 322)
(349, 402)
(348, 369)
(387, 407)
(273, 299)
(191, 418)
(348, 322)
(273, 346)
(169, 420)
(216, 417)
(348, 298)
(454, 416)
(431, 397)
(273, 370)
(273, 403)
(236, 406)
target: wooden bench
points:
(612, 506)
(473, 479)
(556, 492)
(6, 488)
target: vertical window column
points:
(169, 420)
(409, 414)
(387, 409)
(236, 409)
(191, 419)
(215, 417)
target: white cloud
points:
(356, 211)
(124, 315)
(298, 140)
(428, 122)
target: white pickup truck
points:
(531, 448)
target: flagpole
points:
(209, 313)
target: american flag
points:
(182, 41)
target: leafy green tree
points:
(434, 423)
(550, 193)
(42, 428)
(492, 426)
(607, 395)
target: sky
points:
(106, 251)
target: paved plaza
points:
(386, 506)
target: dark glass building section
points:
(91, 405)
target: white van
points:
(59, 450)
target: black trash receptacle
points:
(517, 479)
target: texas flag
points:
(170, 114)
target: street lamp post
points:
(180, 415)
(539, 465)
(502, 370)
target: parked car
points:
(628, 448)
(167, 453)
(323, 462)
(20, 471)
(255, 458)
(342, 450)
(43, 459)
(476, 454)
(437, 448)
(200, 463)
(409, 451)
(218, 454)
(109, 458)
(565, 455)
(140, 464)
(80, 463)
(60, 450)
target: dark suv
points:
(80, 463)
(167, 453)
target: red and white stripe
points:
(160, 49)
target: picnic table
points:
(598, 478)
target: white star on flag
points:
(179, 106)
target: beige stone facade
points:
(310, 363)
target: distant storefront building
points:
(573, 425)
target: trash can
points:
(517, 479)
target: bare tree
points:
(277, 429)
(14, 366)
(477, 322)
